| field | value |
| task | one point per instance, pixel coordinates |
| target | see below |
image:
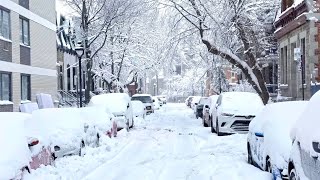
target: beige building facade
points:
(28, 51)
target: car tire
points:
(204, 123)
(217, 128)
(293, 174)
(82, 145)
(268, 165)
(250, 160)
(211, 126)
(98, 140)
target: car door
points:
(314, 161)
(258, 148)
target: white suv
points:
(234, 111)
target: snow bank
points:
(275, 122)
(115, 102)
(306, 130)
(14, 151)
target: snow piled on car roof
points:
(306, 130)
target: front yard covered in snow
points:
(170, 144)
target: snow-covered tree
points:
(233, 30)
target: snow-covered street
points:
(170, 144)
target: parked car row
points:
(228, 112)
(32, 140)
(151, 103)
(283, 138)
(38, 137)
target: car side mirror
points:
(316, 147)
(259, 134)
(128, 106)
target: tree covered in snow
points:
(100, 23)
(235, 30)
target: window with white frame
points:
(24, 31)
(5, 24)
(5, 86)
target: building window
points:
(25, 87)
(5, 86)
(24, 3)
(5, 24)
(24, 32)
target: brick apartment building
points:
(28, 51)
(297, 27)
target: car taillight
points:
(33, 142)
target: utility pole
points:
(302, 76)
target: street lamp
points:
(80, 51)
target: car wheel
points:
(82, 145)
(132, 123)
(211, 126)
(204, 123)
(98, 140)
(293, 174)
(217, 128)
(268, 165)
(250, 161)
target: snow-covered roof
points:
(114, 102)
(137, 95)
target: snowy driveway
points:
(171, 144)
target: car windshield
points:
(144, 99)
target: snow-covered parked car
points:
(163, 99)
(305, 153)
(118, 104)
(207, 110)
(234, 111)
(20, 149)
(139, 110)
(156, 103)
(146, 99)
(195, 101)
(188, 101)
(69, 129)
(198, 110)
(269, 142)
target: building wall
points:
(43, 54)
(293, 87)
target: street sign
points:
(297, 54)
